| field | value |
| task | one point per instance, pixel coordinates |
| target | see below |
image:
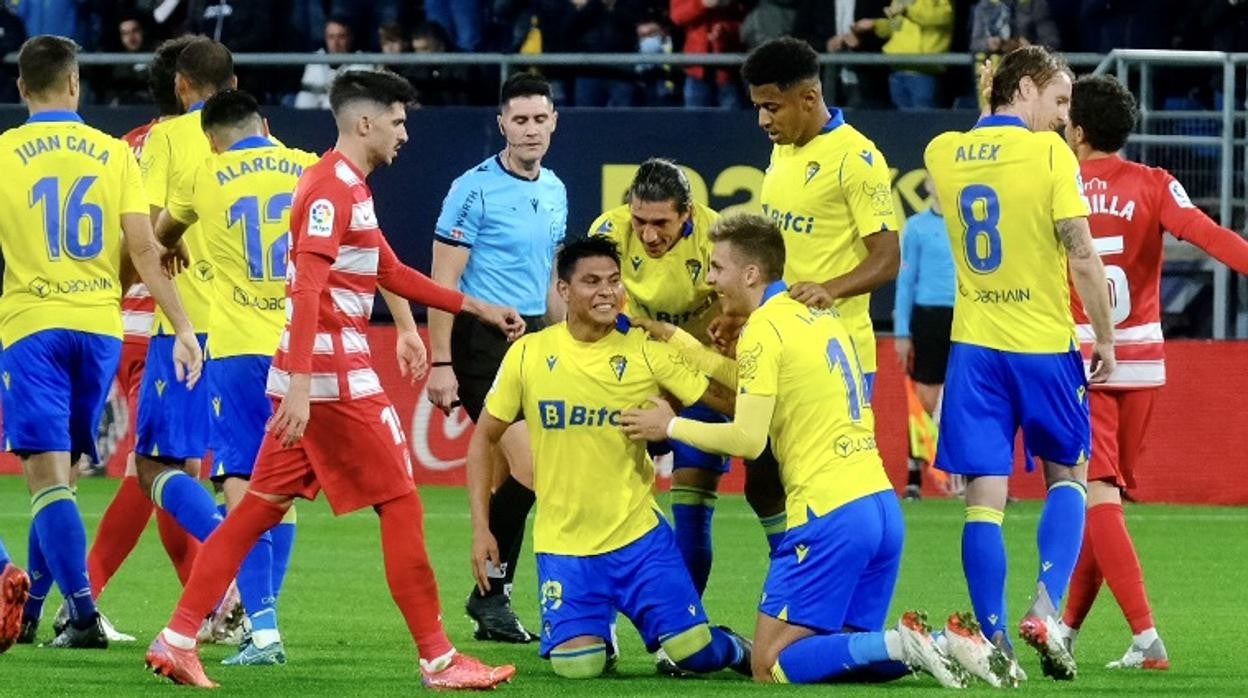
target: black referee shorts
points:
(930, 326)
(477, 350)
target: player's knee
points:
(691, 650)
(585, 662)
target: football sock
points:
(119, 531)
(63, 540)
(180, 546)
(984, 563)
(914, 477)
(1145, 637)
(821, 658)
(1119, 563)
(509, 509)
(580, 663)
(692, 510)
(41, 579)
(4, 554)
(283, 545)
(182, 496)
(409, 574)
(1085, 582)
(1059, 535)
(774, 527)
(219, 560)
(703, 649)
(255, 585)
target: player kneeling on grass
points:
(797, 380)
(602, 545)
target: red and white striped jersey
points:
(137, 306)
(1133, 205)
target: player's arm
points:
(154, 165)
(453, 237)
(1088, 275)
(720, 368)
(145, 254)
(411, 352)
(903, 304)
(1189, 223)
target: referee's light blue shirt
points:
(927, 275)
(512, 226)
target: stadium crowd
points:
(985, 28)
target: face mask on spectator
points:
(650, 44)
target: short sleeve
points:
(154, 165)
(868, 190)
(133, 196)
(758, 359)
(674, 372)
(606, 226)
(1177, 213)
(322, 219)
(506, 394)
(181, 200)
(560, 224)
(1066, 183)
(463, 214)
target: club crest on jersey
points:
(694, 267)
(551, 361)
(812, 169)
(321, 218)
(618, 364)
(636, 262)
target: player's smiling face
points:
(730, 278)
(594, 293)
(526, 124)
(657, 224)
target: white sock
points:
(892, 642)
(940, 403)
(266, 637)
(1146, 638)
(1068, 631)
(180, 641)
(437, 664)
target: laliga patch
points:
(1180, 195)
(321, 218)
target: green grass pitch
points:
(344, 637)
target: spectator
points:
(1109, 24)
(829, 26)
(914, 27)
(318, 76)
(242, 25)
(463, 20)
(12, 35)
(603, 26)
(770, 19)
(439, 86)
(68, 18)
(392, 38)
(1000, 26)
(711, 26)
(127, 84)
(659, 89)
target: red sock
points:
(179, 545)
(218, 560)
(410, 575)
(120, 528)
(1115, 555)
(1085, 582)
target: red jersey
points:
(137, 306)
(338, 257)
(1132, 207)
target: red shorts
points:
(130, 375)
(354, 450)
(1119, 422)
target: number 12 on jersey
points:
(246, 211)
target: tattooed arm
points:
(1088, 275)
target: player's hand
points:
(657, 329)
(985, 86)
(648, 423)
(291, 418)
(811, 294)
(188, 359)
(723, 332)
(484, 555)
(905, 351)
(175, 259)
(1103, 361)
(413, 357)
(442, 388)
(507, 320)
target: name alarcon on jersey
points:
(558, 414)
(788, 222)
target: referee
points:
(496, 238)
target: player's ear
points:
(564, 289)
(21, 90)
(233, 82)
(554, 120)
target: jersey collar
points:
(498, 158)
(195, 107)
(54, 115)
(251, 142)
(834, 122)
(1000, 120)
(773, 289)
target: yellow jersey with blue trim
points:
(1004, 188)
(66, 188)
(671, 288)
(827, 196)
(822, 431)
(595, 487)
(174, 150)
(241, 200)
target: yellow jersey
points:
(594, 486)
(241, 199)
(1003, 188)
(822, 431)
(826, 197)
(61, 204)
(672, 288)
(174, 150)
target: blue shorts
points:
(686, 456)
(646, 580)
(868, 382)
(174, 422)
(56, 383)
(240, 409)
(838, 571)
(990, 394)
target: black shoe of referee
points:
(495, 620)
